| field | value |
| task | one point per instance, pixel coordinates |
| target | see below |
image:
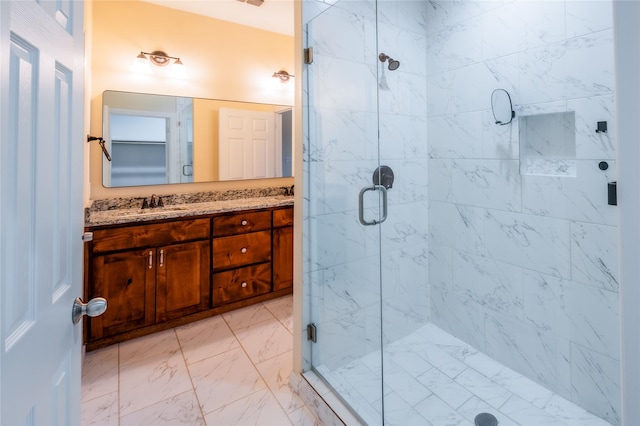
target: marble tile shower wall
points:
(524, 267)
(342, 263)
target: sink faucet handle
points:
(153, 203)
(145, 204)
(160, 202)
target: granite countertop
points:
(120, 211)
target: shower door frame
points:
(357, 278)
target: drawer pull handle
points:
(244, 284)
(244, 250)
(161, 258)
(244, 223)
(150, 259)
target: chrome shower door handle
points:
(380, 188)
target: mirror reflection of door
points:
(255, 144)
(149, 147)
(138, 146)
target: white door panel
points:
(246, 144)
(41, 151)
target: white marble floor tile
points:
(276, 372)
(445, 388)
(527, 414)
(151, 380)
(398, 413)
(439, 413)
(475, 406)
(303, 417)
(258, 408)
(181, 409)
(163, 343)
(100, 411)
(484, 388)
(245, 317)
(282, 309)
(265, 339)
(223, 379)
(205, 338)
(100, 372)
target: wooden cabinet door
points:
(127, 281)
(183, 280)
(282, 258)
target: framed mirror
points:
(159, 139)
(501, 106)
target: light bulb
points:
(178, 70)
(141, 65)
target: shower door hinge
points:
(312, 333)
(308, 55)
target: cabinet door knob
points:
(244, 284)
(244, 223)
(244, 250)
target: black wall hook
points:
(602, 127)
(101, 143)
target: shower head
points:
(393, 64)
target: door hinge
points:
(308, 55)
(312, 333)
(87, 236)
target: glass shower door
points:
(342, 206)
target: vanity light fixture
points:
(282, 75)
(160, 59)
(253, 2)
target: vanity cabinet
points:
(149, 274)
(283, 248)
(169, 272)
(241, 256)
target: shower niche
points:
(548, 144)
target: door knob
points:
(96, 306)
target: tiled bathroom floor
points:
(229, 369)
(434, 379)
(233, 369)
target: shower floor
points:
(433, 378)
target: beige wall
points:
(223, 60)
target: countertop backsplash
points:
(123, 210)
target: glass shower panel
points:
(342, 266)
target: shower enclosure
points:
(484, 280)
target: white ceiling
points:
(273, 15)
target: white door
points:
(246, 144)
(627, 45)
(41, 164)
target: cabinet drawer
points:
(283, 217)
(241, 283)
(243, 249)
(238, 223)
(150, 235)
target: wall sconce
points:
(160, 59)
(282, 75)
